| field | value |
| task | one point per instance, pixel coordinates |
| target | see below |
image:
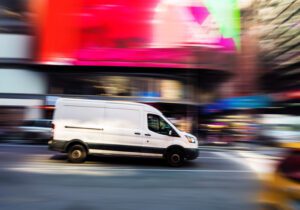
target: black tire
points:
(77, 153)
(175, 157)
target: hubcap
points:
(76, 154)
(175, 158)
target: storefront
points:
(237, 118)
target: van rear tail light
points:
(290, 166)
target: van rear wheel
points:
(77, 154)
(175, 157)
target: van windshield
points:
(173, 123)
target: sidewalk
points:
(260, 159)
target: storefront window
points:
(119, 86)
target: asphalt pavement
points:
(32, 177)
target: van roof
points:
(146, 106)
(97, 100)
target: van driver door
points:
(158, 135)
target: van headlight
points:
(191, 139)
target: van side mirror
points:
(170, 132)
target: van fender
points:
(180, 142)
(173, 147)
(76, 141)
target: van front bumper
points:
(56, 145)
(191, 154)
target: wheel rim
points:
(76, 154)
(175, 158)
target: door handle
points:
(137, 133)
(147, 134)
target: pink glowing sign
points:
(156, 23)
(181, 23)
(145, 32)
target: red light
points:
(293, 94)
(45, 107)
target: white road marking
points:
(254, 155)
(256, 165)
(231, 158)
(67, 169)
(22, 145)
(91, 169)
(216, 158)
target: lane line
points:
(254, 155)
(214, 158)
(235, 159)
(259, 167)
(66, 169)
(258, 164)
(22, 145)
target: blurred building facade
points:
(279, 46)
(276, 30)
(16, 52)
(116, 51)
(278, 25)
(268, 62)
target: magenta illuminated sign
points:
(134, 32)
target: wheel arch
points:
(173, 147)
(76, 141)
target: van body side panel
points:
(79, 122)
(122, 125)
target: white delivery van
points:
(82, 127)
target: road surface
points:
(31, 177)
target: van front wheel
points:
(175, 157)
(77, 154)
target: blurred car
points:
(277, 129)
(281, 189)
(37, 131)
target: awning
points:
(244, 102)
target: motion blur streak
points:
(225, 72)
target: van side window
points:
(153, 123)
(164, 127)
(159, 125)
